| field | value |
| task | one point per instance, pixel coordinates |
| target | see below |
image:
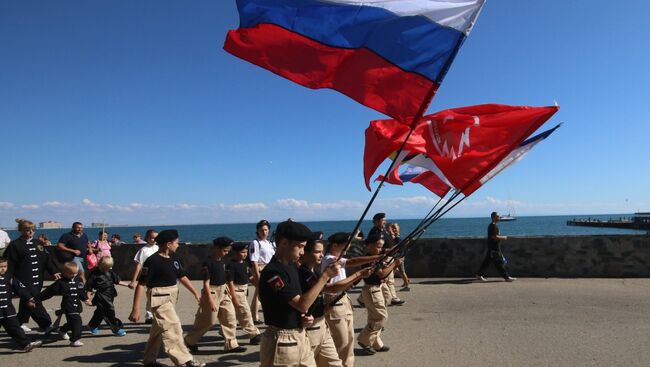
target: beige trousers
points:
(256, 306)
(377, 316)
(243, 312)
(388, 288)
(205, 318)
(285, 347)
(340, 321)
(322, 344)
(166, 329)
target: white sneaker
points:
(32, 345)
(64, 336)
(25, 328)
(77, 343)
(480, 277)
(510, 279)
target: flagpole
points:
(416, 119)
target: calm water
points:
(445, 227)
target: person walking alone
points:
(494, 254)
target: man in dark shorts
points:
(494, 254)
(75, 242)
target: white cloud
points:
(296, 204)
(89, 203)
(247, 206)
(29, 206)
(55, 204)
(6, 205)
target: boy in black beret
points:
(216, 302)
(239, 277)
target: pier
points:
(640, 221)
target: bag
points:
(91, 260)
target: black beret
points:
(317, 237)
(168, 235)
(294, 231)
(222, 241)
(379, 216)
(374, 237)
(339, 237)
(238, 246)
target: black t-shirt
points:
(76, 243)
(215, 271)
(238, 272)
(279, 283)
(308, 279)
(374, 279)
(159, 271)
(493, 244)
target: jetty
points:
(640, 221)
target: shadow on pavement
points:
(457, 281)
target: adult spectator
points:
(4, 242)
(46, 241)
(75, 243)
(394, 233)
(261, 251)
(27, 261)
(101, 247)
(137, 239)
(116, 240)
(494, 254)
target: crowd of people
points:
(300, 281)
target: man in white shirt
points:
(261, 252)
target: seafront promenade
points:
(445, 322)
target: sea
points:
(443, 228)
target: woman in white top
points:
(261, 251)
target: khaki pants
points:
(322, 344)
(388, 288)
(205, 318)
(166, 328)
(339, 319)
(377, 316)
(256, 306)
(243, 312)
(285, 347)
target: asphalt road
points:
(445, 322)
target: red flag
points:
(463, 143)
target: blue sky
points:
(131, 112)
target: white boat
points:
(507, 218)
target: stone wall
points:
(575, 256)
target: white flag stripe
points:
(421, 160)
(457, 14)
(512, 158)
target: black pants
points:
(105, 310)
(73, 325)
(496, 258)
(12, 327)
(39, 314)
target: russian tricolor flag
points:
(390, 55)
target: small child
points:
(103, 280)
(8, 320)
(239, 277)
(72, 292)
